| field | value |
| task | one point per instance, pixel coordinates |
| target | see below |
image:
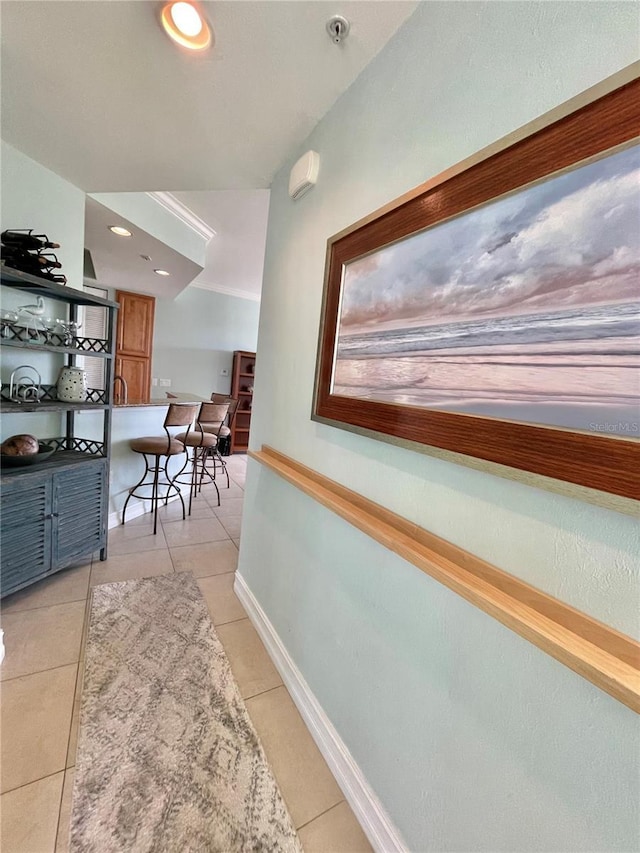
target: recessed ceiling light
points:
(120, 231)
(161, 272)
(185, 25)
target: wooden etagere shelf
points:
(593, 650)
(54, 513)
(242, 381)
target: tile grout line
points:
(173, 565)
(262, 692)
(60, 809)
(33, 781)
(39, 671)
(44, 606)
(231, 621)
(326, 811)
(66, 752)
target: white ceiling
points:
(95, 91)
(118, 262)
(234, 221)
(235, 255)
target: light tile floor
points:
(45, 629)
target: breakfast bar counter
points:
(163, 401)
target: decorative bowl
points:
(43, 453)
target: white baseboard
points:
(376, 824)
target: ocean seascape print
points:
(525, 309)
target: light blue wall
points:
(35, 197)
(472, 738)
(195, 336)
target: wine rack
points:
(31, 253)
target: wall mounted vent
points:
(304, 174)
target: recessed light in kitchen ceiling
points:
(184, 23)
(161, 272)
(120, 231)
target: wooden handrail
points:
(607, 658)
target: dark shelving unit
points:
(54, 513)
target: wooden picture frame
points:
(608, 461)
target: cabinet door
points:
(134, 343)
(79, 523)
(26, 532)
(136, 372)
(135, 324)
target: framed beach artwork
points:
(495, 311)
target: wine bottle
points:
(49, 261)
(26, 239)
(43, 260)
(30, 262)
(33, 269)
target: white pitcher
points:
(72, 385)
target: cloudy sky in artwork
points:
(571, 240)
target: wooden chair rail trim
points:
(604, 656)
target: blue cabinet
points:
(51, 519)
(26, 524)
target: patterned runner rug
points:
(168, 759)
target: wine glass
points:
(48, 327)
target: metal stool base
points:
(195, 481)
(156, 484)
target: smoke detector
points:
(338, 28)
(304, 174)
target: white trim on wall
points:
(228, 291)
(375, 822)
(182, 212)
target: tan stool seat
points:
(157, 444)
(197, 439)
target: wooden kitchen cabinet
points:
(134, 345)
(136, 372)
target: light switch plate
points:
(165, 383)
(154, 381)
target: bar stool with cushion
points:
(161, 448)
(222, 431)
(203, 442)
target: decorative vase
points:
(72, 385)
